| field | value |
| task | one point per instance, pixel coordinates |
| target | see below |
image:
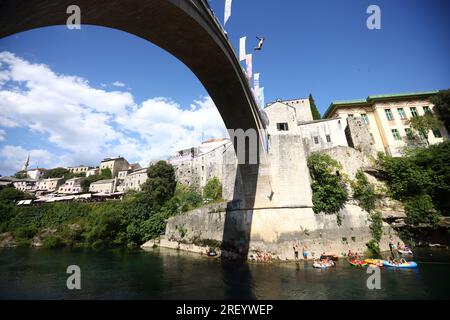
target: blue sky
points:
(319, 47)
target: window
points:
(365, 118)
(401, 113)
(316, 140)
(413, 111)
(409, 133)
(396, 134)
(328, 138)
(282, 126)
(389, 115)
(437, 133)
(427, 110)
(350, 115)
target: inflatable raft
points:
(375, 262)
(319, 265)
(406, 251)
(408, 264)
(357, 263)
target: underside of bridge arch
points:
(187, 30)
(184, 28)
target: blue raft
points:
(408, 264)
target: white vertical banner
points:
(227, 11)
(248, 60)
(262, 101)
(256, 87)
(242, 51)
(256, 80)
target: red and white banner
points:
(248, 61)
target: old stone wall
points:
(276, 231)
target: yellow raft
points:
(374, 262)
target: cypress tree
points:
(315, 113)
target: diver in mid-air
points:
(260, 43)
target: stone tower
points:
(26, 164)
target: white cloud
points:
(13, 158)
(2, 134)
(86, 124)
(118, 84)
(166, 127)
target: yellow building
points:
(387, 118)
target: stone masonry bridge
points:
(187, 29)
(274, 194)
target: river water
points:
(167, 274)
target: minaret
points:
(25, 166)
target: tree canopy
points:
(423, 124)
(441, 103)
(161, 183)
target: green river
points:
(27, 273)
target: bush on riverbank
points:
(421, 179)
(139, 217)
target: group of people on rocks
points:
(263, 256)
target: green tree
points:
(213, 190)
(315, 112)
(328, 186)
(86, 182)
(420, 210)
(161, 183)
(55, 173)
(21, 175)
(441, 103)
(11, 195)
(106, 173)
(423, 124)
(364, 192)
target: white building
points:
(115, 165)
(387, 118)
(36, 174)
(79, 169)
(323, 134)
(71, 186)
(103, 186)
(93, 172)
(25, 185)
(195, 166)
(132, 180)
(49, 185)
(295, 117)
